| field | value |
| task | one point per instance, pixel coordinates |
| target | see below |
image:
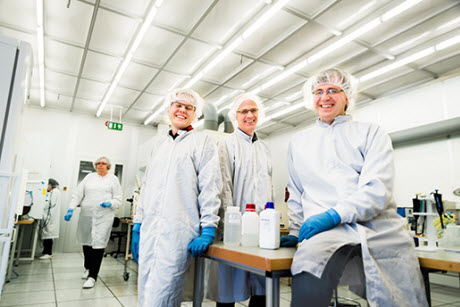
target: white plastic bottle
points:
(250, 226)
(232, 226)
(269, 237)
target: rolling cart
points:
(128, 255)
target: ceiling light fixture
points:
(140, 35)
(352, 36)
(236, 42)
(449, 23)
(359, 12)
(407, 43)
(414, 57)
(41, 51)
(151, 117)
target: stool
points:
(116, 235)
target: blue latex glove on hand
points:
(106, 204)
(289, 241)
(68, 215)
(319, 223)
(199, 245)
(135, 241)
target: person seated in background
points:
(99, 194)
(341, 209)
(247, 179)
(49, 227)
(179, 198)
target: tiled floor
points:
(58, 283)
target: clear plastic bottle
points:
(269, 227)
(250, 226)
(232, 226)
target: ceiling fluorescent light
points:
(407, 43)
(294, 96)
(449, 23)
(285, 111)
(397, 64)
(194, 80)
(257, 24)
(260, 76)
(452, 41)
(41, 51)
(151, 117)
(399, 9)
(346, 39)
(179, 81)
(266, 16)
(353, 16)
(285, 74)
(140, 35)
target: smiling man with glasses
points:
(247, 179)
(176, 216)
(341, 208)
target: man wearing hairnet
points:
(50, 223)
(247, 179)
(177, 212)
(341, 209)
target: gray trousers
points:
(309, 290)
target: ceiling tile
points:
(62, 57)
(100, 67)
(112, 32)
(137, 7)
(181, 14)
(123, 97)
(163, 83)
(92, 90)
(137, 76)
(19, 13)
(147, 102)
(59, 82)
(190, 57)
(70, 24)
(56, 101)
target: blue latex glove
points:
(68, 215)
(199, 245)
(289, 241)
(319, 223)
(135, 241)
(106, 204)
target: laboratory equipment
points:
(269, 235)
(439, 206)
(15, 75)
(429, 231)
(250, 226)
(232, 226)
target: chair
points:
(116, 234)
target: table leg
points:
(14, 237)
(34, 242)
(426, 279)
(198, 282)
(20, 236)
(272, 288)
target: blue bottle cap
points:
(270, 205)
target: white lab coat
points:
(179, 194)
(51, 216)
(247, 179)
(348, 166)
(95, 222)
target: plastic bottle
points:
(232, 226)
(250, 226)
(269, 237)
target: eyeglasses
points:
(179, 105)
(329, 91)
(101, 163)
(245, 112)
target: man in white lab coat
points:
(247, 179)
(179, 200)
(49, 228)
(341, 209)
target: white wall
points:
(420, 167)
(54, 142)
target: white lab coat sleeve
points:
(116, 193)
(375, 183)
(209, 184)
(294, 203)
(226, 156)
(78, 194)
(139, 216)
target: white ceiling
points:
(85, 44)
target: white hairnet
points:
(188, 95)
(242, 98)
(109, 165)
(332, 76)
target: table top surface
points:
(281, 259)
(25, 222)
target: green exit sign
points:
(114, 126)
